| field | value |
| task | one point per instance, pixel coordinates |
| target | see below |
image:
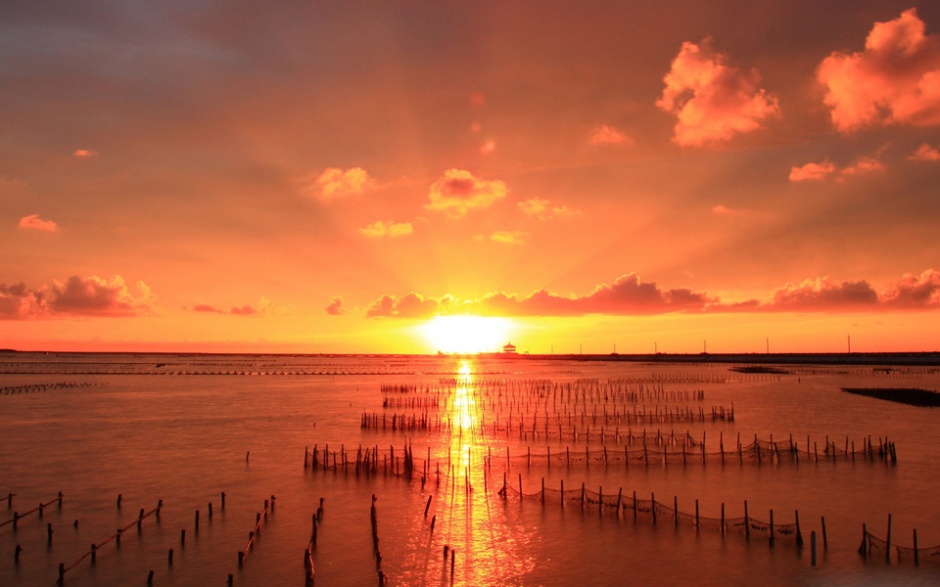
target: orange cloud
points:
(925, 153)
(84, 153)
(812, 171)
(412, 305)
(508, 237)
(896, 79)
(543, 210)
(18, 302)
(628, 296)
(379, 229)
(914, 291)
(333, 183)
(335, 307)
(712, 100)
(823, 293)
(34, 222)
(458, 192)
(244, 310)
(608, 135)
(76, 296)
(826, 170)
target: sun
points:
(466, 334)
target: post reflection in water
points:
(473, 536)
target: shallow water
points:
(177, 428)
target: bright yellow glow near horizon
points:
(467, 334)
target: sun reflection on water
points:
(485, 547)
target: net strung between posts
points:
(617, 503)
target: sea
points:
(201, 469)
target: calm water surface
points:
(184, 429)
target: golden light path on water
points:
(482, 545)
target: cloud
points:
(812, 171)
(19, 302)
(335, 307)
(543, 210)
(722, 210)
(244, 310)
(925, 153)
(84, 153)
(458, 192)
(333, 183)
(895, 79)
(823, 293)
(75, 297)
(509, 237)
(828, 170)
(34, 222)
(608, 135)
(410, 306)
(712, 100)
(914, 291)
(626, 296)
(379, 229)
(629, 296)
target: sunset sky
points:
(321, 177)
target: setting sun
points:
(467, 334)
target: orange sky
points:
(327, 177)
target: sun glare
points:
(467, 334)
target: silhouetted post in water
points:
(428, 506)
(247, 454)
(210, 510)
(696, 515)
(825, 540)
(150, 578)
(888, 541)
(223, 500)
(653, 506)
(140, 518)
(94, 552)
(799, 535)
(120, 495)
(16, 553)
(812, 547)
(49, 532)
(863, 547)
(231, 580)
(747, 522)
(916, 555)
(9, 500)
(196, 526)
(771, 527)
(722, 518)
(433, 521)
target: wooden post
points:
(675, 508)
(888, 541)
(722, 518)
(812, 547)
(916, 554)
(696, 515)
(825, 539)
(747, 522)
(653, 506)
(771, 527)
(863, 547)
(562, 493)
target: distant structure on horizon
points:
(509, 349)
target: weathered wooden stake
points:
(825, 539)
(888, 541)
(812, 547)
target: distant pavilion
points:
(509, 349)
